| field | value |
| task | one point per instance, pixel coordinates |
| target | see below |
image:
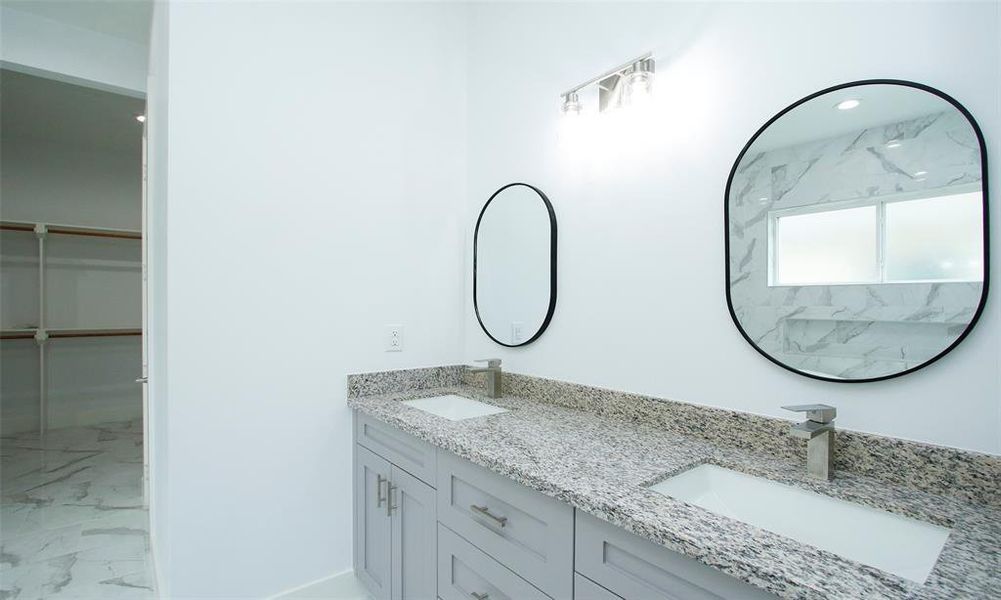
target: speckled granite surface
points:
(966, 475)
(387, 382)
(599, 458)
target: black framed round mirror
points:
(514, 265)
(857, 231)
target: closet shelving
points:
(42, 333)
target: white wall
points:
(640, 210)
(57, 183)
(314, 194)
(34, 44)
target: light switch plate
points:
(394, 338)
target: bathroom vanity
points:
(557, 497)
(453, 529)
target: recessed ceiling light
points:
(848, 104)
(141, 118)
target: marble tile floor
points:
(72, 521)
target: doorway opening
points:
(72, 310)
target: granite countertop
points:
(602, 464)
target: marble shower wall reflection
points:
(849, 331)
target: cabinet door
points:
(373, 536)
(414, 537)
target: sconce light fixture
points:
(621, 86)
(571, 104)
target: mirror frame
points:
(986, 223)
(552, 263)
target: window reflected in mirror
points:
(856, 232)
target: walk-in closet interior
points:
(71, 309)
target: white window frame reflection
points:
(880, 203)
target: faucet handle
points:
(818, 413)
(492, 363)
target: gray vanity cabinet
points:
(429, 524)
(633, 568)
(395, 528)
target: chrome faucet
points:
(818, 431)
(494, 375)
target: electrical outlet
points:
(394, 338)
(517, 332)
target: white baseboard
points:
(339, 586)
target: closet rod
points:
(74, 230)
(94, 333)
(22, 334)
(17, 335)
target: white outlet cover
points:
(394, 338)
(517, 332)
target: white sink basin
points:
(454, 408)
(893, 543)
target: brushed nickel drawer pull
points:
(483, 510)
(482, 596)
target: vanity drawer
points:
(466, 572)
(402, 449)
(585, 589)
(528, 532)
(638, 569)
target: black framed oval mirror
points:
(857, 231)
(514, 265)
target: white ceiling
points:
(818, 119)
(48, 110)
(128, 19)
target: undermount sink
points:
(453, 407)
(900, 545)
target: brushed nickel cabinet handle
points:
(390, 494)
(483, 510)
(379, 498)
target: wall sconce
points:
(622, 86)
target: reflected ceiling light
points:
(893, 144)
(141, 118)
(626, 84)
(920, 173)
(848, 104)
